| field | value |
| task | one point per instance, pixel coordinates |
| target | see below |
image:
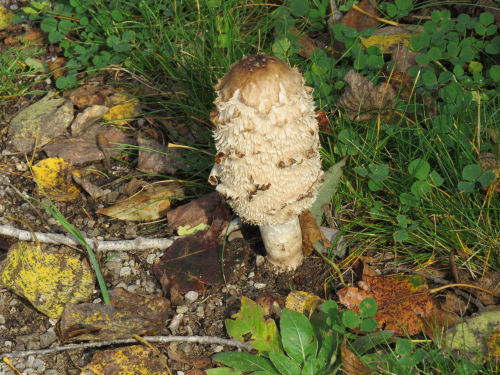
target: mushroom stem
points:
(283, 243)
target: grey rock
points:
(47, 338)
(191, 296)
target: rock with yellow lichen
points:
(48, 280)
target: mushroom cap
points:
(260, 79)
(268, 165)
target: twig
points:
(439, 280)
(139, 243)
(153, 339)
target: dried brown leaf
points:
(146, 205)
(157, 158)
(363, 100)
(129, 314)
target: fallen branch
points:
(151, 339)
(139, 243)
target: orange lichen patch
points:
(48, 280)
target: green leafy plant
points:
(301, 346)
(104, 36)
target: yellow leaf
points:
(303, 302)
(384, 42)
(54, 178)
(146, 205)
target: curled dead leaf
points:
(362, 100)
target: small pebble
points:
(175, 322)
(39, 365)
(259, 285)
(182, 309)
(250, 283)
(47, 338)
(200, 312)
(2, 319)
(218, 349)
(251, 275)
(125, 271)
(259, 260)
(191, 296)
(132, 288)
(151, 259)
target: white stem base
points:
(283, 244)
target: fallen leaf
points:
(158, 159)
(37, 65)
(54, 178)
(272, 303)
(404, 303)
(123, 109)
(89, 95)
(311, 233)
(47, 279)
(490, 281)
(362, 100)
(250, 320)
(323, 122)
(454, 303)
(476, 336)
(33, 35)
(194, 361)
(129, 314)
(303, 302)
(387, 37)
(135, 359)
(56, 66)
(197, 211)
(146, 205)
(327, 189)
(5, 18)
(403, 59)
(43, 120)
(358, 20)
(361, 21)
(187, 230)
(351, 364)
(83, 149)
(193, 261)
(93, 190)
(307, 44)
(87, 118)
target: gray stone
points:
(125, 271)
(47, 338)
(182, 309)
(191, 296)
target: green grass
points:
(18, 72)
(181, 49)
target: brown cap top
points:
(259, 78)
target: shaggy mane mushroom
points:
(268, 165)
